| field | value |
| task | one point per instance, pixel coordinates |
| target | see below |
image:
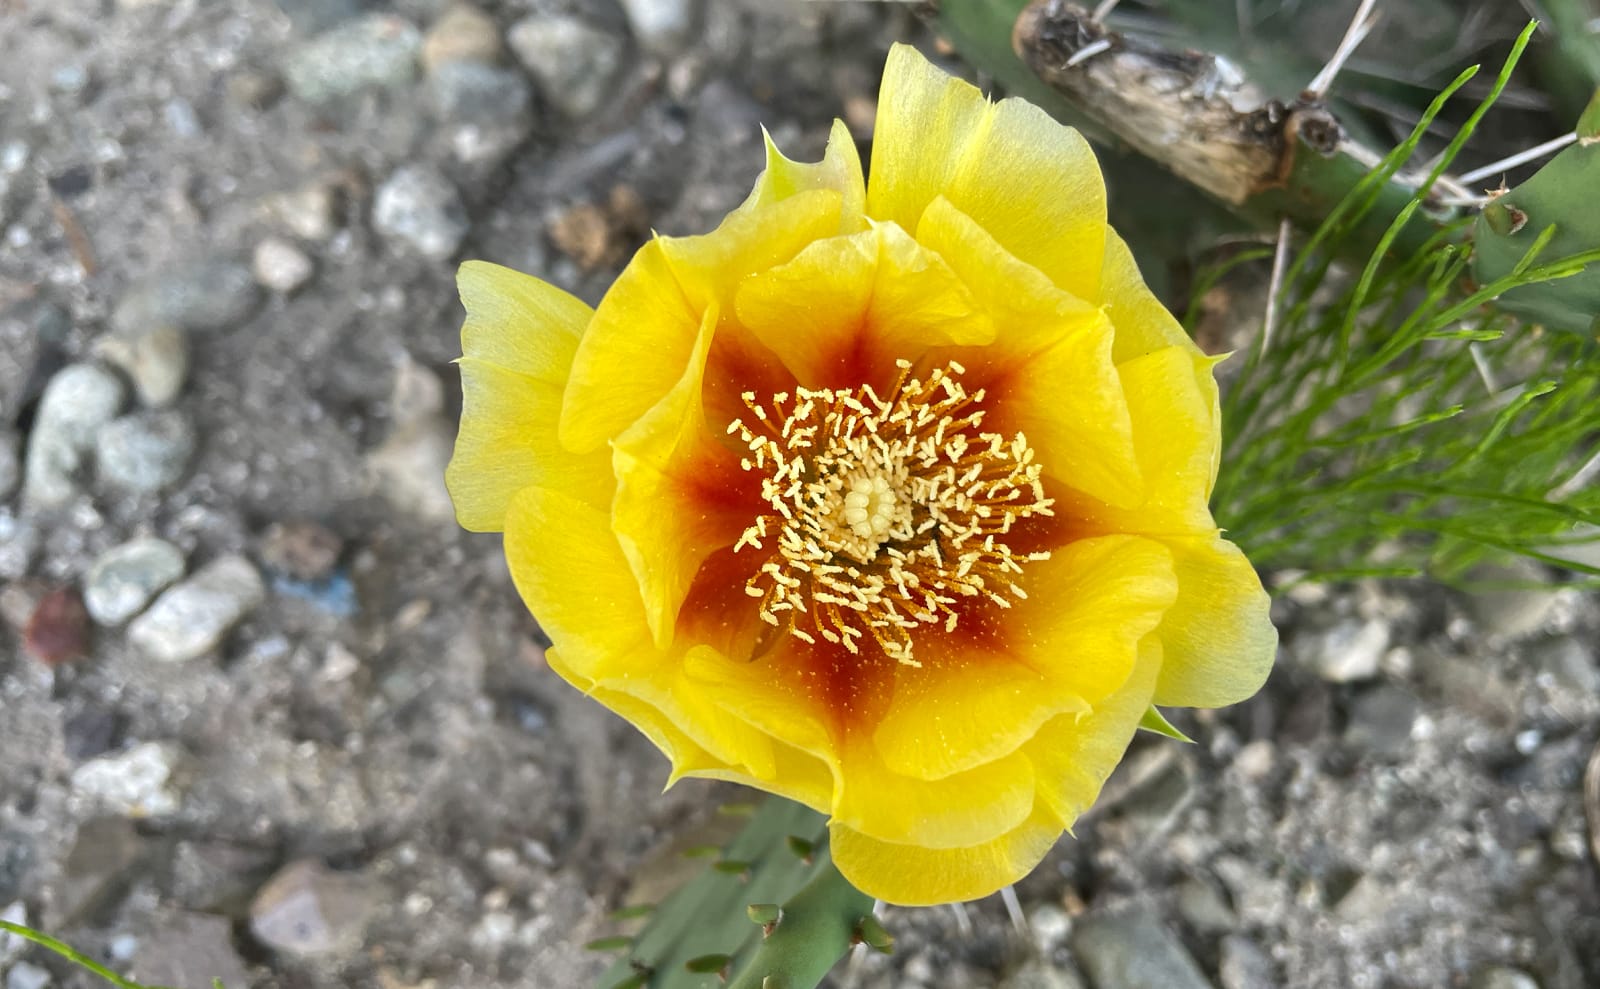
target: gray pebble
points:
(144, 452)
(660, 25)
(475, 91)
(124, 579)
(10, 460)
(574, 61)
(421, 208)
(1514, 613)
(1134, 951)
(375, 51)
(28, 331)
(1204, 907)
(77, 402)
(12, 945)
(137, 782)
(315, 16)
(155, 360)
(308, 912)
(192, 618)
(1380, 723)
(26, 975)
(280, 266)
(190, 949)
(1036, 973)
(205, 296)
(1244, 965)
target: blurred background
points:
(268, 715)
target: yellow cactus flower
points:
(887, 497)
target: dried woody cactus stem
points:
(1194, 113)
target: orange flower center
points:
(886, 512)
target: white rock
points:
(76, 403)
(419, 206)
(155, 360)
(280, 266)
(1351, 650)
(124, 579)
(192, 618)
(136, 782)
(660, 25)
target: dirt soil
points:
(267, 714)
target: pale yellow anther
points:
(876, 500)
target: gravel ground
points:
(267, 714)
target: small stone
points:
(315, 16)
(144, 452)
(136, 783)
(191, 619)
(155, 360)
(309, 912)
(301, 549)
(479, 93)
(77, 402)
(463, 33)
(1204, 907)
(1381, 721)
(10, 460)
(573, 61)
(125, 579)
(1515, 612)
(106, 855)
(280, 266)
(1050, 926)
(375, 51)
(190, 949)
(1134, 951)
(307, 212)
(252, 89)
(12, 945)
(29, 331)
(26, 975)
(660, 25)
(1350, 651)
(58, 631)
(1503, 977)
(203, 297)
(421, 208)
(1244, 965)
(1036, 973)
(409, 468)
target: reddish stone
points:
(58, 632)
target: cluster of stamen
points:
(885, 512)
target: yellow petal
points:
(1176, 440)
(794, 774)
(846, 308)
(1072, 755)
(662, 528)
(507, 442)
(957, 811)
(519, 322)
(1029, 181)
(1218, 638)
(915, 876)
(839, 170)
(519, 338)
(569, 569)
(1143, 323)
(651, 722)
(1029, 310)
(747, 241)
(1073, 642)
(633, 353)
